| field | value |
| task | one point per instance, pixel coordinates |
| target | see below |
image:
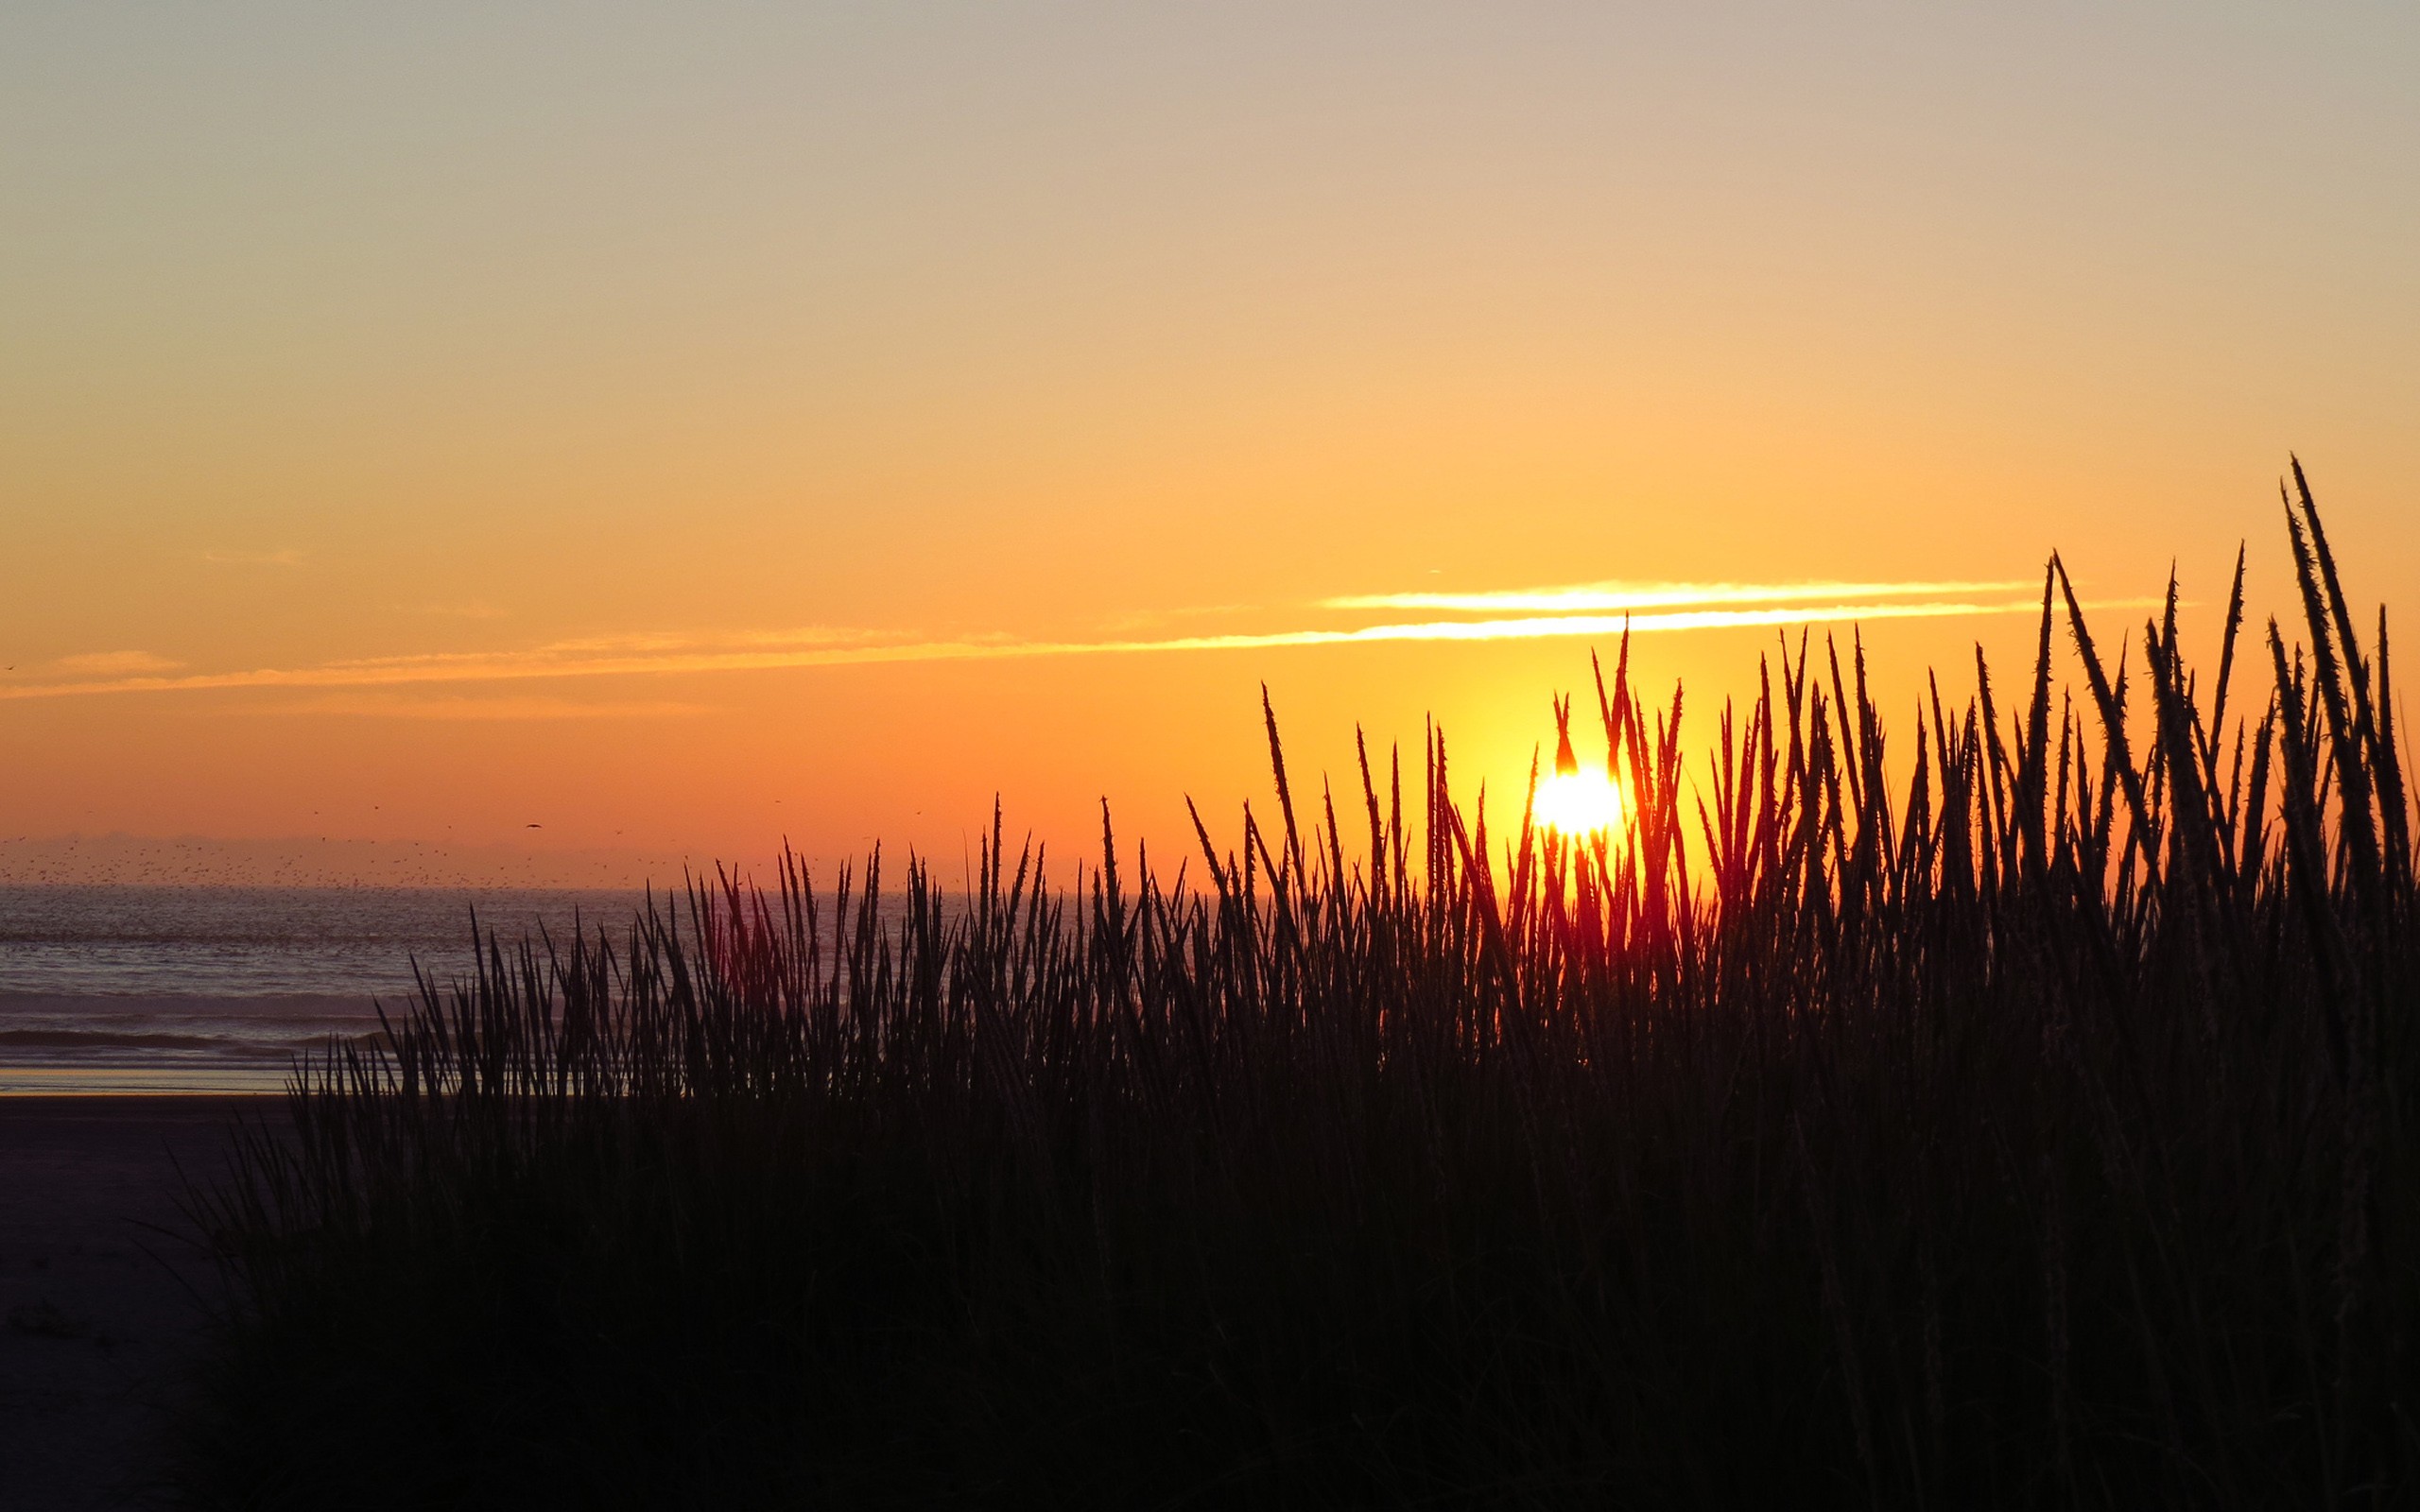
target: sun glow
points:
(1580, 803)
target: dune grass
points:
(2027, 1129)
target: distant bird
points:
(533, 826)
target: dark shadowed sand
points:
(101, 1290)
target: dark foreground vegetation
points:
(2030, 1128)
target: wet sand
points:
(102, 1290)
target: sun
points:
(1574, 802)
(1579, 803)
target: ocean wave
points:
(103, 1039)
(280, 1047)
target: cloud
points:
(807, 635)
(457, 708)
(1152, 618)
(673, 655)
(114, 664)
(666, 641)
(1599, 597)
(290, 557)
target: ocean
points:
(184, 990)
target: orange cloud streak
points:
(644, 655)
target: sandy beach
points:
(102, 1290)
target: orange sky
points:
(682, 427)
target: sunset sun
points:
(1576, 801)
(1580, 802)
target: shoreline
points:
(171, 1044)
(105, 1082)
(60, 1094)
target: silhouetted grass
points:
(2030, 1132)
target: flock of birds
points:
(126, 860)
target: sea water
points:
(166, 990)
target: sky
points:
(548, 442)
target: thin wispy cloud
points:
(290, 557)
(663, 655)
(1582, 598)
(660, 640)
(1148, 619)
(457, 708)
(114, 664)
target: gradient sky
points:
(683, 426)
